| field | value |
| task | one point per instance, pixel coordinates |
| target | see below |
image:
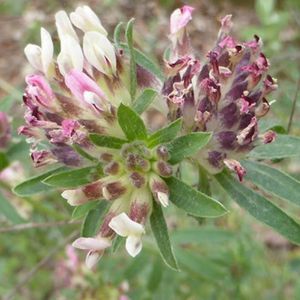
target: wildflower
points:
(95, 247)
(226, 95)
(40, 57)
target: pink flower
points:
(38, 91)
(85, 89)
(180, 18)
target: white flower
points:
(64, 26)
(125, 227)
(86, 20)
(74, 197)
(95, 246)
(100, 52)
(41, 57)
(71, 56)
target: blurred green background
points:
(232, 257)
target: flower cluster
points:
(226, 95)
(75, 95)
(80, 108)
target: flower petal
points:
(133, 245)
(47, 50)
(89, 243)
(124, 226)
(64, 26)
(92, 258)
(86, 20)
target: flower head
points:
(226, 96)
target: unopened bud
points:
(159, 189)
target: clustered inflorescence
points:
(79, 93)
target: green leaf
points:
(7, 210)
(202, 236)
(187, 145)
(155, 277)
(116, 243)
(260, 207)
(3, 161)
(131, 123)
(144, 100)
(93, 219)
(84, 154)
(193, 201)
(200, 266)
(117, 34)
(81, 210)
(106, 141)
(35, 185)
(145, 62)
(74, 178)
(165, 134)
(133, 79)
(269, 124)
(273, 181)
(160, 231)
(284, 146)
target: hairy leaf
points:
(187, 145)
(160, 231)
(193, 201)
(260, 207)
(131, 123)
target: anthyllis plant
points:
(118, 130)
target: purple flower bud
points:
(235, 166)
(269, 137)
(42, 158)
(38, 91)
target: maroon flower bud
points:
(269, 137)
(137, 179)
(236, 167)
(42, 158)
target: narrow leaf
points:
(133, 79)
(284, 146)
(187, 145)
(74, 178)
(260, 208)
(116, 243)
(107, 141)
(131, 123)
(93, 219)
(3, 161)
(193, 201)
(273, 181)
(81, 210)
(35, 185)
(7, 210)
(200, 266)
(144, 100)
(117, 34)
(160, 231)
(145, 62)
(83, 153)
(165, 134)
(202, 236)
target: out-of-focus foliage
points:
(230, 258)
